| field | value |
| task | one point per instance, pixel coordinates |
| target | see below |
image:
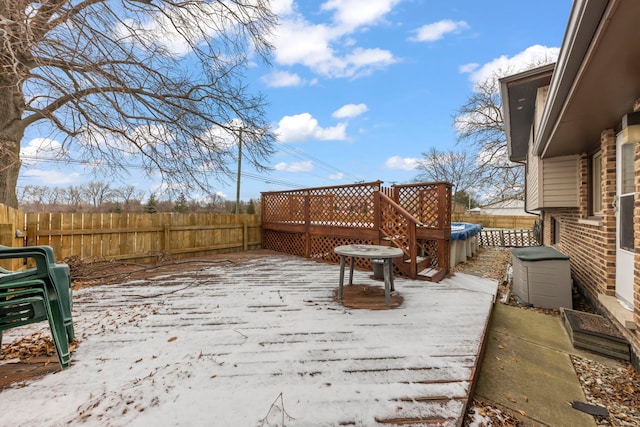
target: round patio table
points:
(384, 253)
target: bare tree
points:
(54, 196)
(35, 196)
(456, 167)
(73, 196)
(216, 203)
(129, 194)
(134, 83)
(480, 126)
(97, 193)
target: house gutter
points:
(539, 215)
(584, 21)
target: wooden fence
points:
(496, 221)
(503, 231)
(139, 237)
(508, 238)
(11, 220)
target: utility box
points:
(542, 277)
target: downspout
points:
(525, 201)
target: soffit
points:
(519, 94)
(606, 85)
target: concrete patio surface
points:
(262, 342)
(527, 369)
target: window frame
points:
(596, 206)
(555, 238)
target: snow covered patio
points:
(261, 343)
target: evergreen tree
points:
(251, 207)
(152, 204)
(181, 204)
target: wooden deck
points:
(263, 341)
(413, 217)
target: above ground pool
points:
(464, 241)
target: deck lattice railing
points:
(429, 203)
(311, 222)
(508, 238)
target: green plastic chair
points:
(55, 274)
(18, 310)
(28, 301)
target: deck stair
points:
(399, 228)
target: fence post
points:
(32, 229)
(245, 236)
(167, 237)
(7, 235)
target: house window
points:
(595, 178)
(626, 197)
(556, 231)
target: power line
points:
(263, 178)
(256, 177)
(301, 154)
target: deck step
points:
(432, 274)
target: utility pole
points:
(239, 166)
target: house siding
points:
(553, 182)
(559, 177)
(591, 245)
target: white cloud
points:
(40, 147)
(469, 68)
(282, 79)
(531, 57)
(334, 133)
(286, 79)
(282, 7)
(350, 111)
(437, 30)
(361, 62)
(326, 48)
(302, 127)
(300, 42)
(178, 29)
(351, 14)
(50, 177)
(305, 166)
(336, 176)
(397, 162)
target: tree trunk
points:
(11, 133)
(9, 171)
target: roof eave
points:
(584, 20)
(518, 129)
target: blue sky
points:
(358, 89)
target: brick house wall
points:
(590, 266)
(591, 243)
